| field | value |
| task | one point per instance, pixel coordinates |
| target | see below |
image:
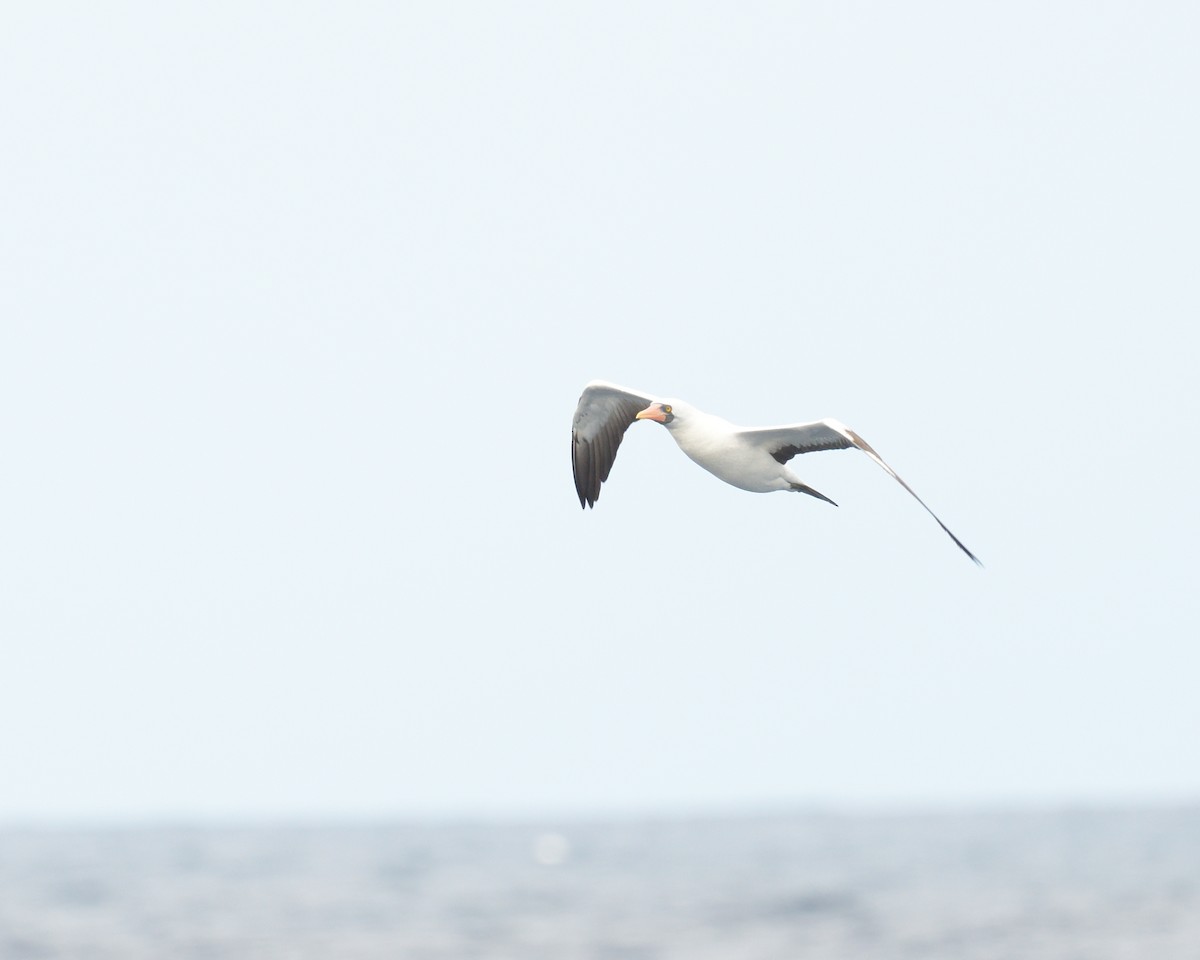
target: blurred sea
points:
(1068, 885)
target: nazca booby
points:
(752, 458)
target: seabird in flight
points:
(752, 458)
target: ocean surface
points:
(1068, 885)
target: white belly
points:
(726, 456)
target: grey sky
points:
(297, 303)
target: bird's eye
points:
(667, 408)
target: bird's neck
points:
(698, 425)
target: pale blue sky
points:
(297, 303)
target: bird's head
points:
(663, 412)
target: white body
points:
(725, 451)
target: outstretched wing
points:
(604, 413)
(785, 442)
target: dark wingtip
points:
(961, 546)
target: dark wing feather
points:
(604, 413)
(783, 443)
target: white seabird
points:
(752, 458)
